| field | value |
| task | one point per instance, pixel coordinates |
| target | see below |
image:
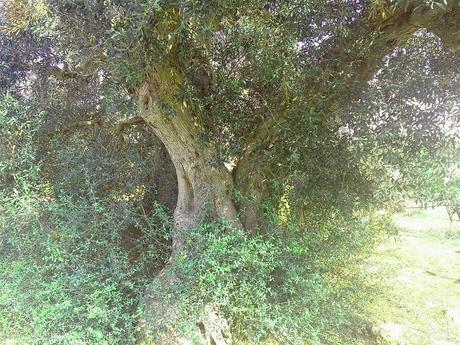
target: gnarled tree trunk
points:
(204, 190)
(203, 187)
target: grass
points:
(420, 300)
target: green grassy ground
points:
(420, 300)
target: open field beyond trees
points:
(420, 270)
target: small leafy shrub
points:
(294, 286)
(72, 268)
(67, 277)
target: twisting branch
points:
(123, 124)
(65, 73)
(117, 126)
(83, 70)
(357, 65)
(79, 125)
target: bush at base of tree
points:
(293, 286)
(68, 274)
(66, 278)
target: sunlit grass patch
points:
(420, 299)
(432, 222)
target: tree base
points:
(167, 322)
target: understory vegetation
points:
(73, 272)
(69, 280)
(70, 276)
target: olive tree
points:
(256, 102)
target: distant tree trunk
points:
(204, 190)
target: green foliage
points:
(18, 125)
(70, 272)
(237, 65)
(294, 286)
(433, 180)
(66, 276)
(281, 82)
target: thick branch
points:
(119, 126)
(355, 62)
(360, 57)
(123, 124)
(65, 73)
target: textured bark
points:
(164, 178)
(204, 190)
